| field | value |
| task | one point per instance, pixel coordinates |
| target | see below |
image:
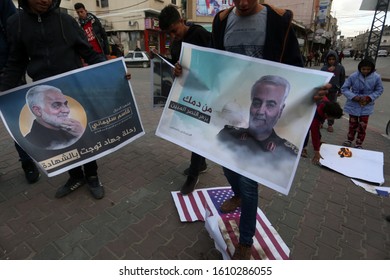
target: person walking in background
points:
(341, 56)
(7, 9)
(171, 22)
(309, 59)
(96, 34)
(361, 89)
(332, 65)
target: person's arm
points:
(342, 76)
(346, 88)
(103, 35)
(378, 88)
(8, 9)
(18, 59)
(316, 139)
(83, 47)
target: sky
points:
(350, 20)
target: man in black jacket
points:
(94, 30)
(7, 9)
(47, 42)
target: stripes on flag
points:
(267, 243)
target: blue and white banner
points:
(212, 102)
(73, 118)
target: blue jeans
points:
(247, 189)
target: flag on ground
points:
(203, 203)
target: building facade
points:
(134, 23)
(314, 15)
(130, 24)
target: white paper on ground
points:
(364, 164)
(370, 188)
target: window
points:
(173, 2)
(102, 3)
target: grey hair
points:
(273, 80)
(35, 95)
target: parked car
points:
(383, 53)
(137, 59)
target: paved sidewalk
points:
(325, 216)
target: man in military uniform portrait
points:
(268, 96)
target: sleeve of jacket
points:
(7, 9)
(83, 48)
(218, 28)
(292, 53)
(17, 60)
(378, 87)
(342, 76)
(103, 35)
(106, 45)
(315, 134)
(346, 88)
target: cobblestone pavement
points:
(325, 216)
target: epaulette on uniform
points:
(291, 146)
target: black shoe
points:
(203, 169)
(95, 187)
(388, 218)
(70, 185)
(189, 185)
(31, 172)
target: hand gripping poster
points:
(70, 119)
(246, 114)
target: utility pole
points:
(377, 27)
(313, 16)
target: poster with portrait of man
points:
(73, 118)
(249, 115)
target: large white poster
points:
(212, 110)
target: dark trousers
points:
(23, 156)
(197, 162)
(332, 96)
(90, 169)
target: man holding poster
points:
(261, 31)
(171, 22)
(54, 51)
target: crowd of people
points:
(72, 49)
